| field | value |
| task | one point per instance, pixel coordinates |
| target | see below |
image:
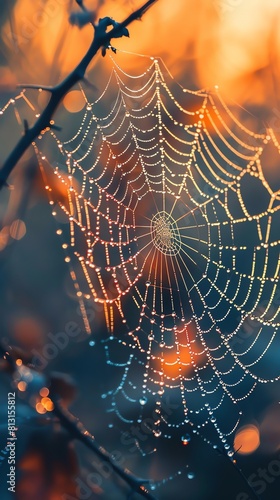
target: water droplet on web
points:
(164, 316)
(190, 475)
(185, 439)
(143, 400)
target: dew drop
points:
(185, 439)
(157, 433)
(143, 401)
(190, 475)
(91, 343)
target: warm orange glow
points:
(4, 237)
(173, 361)
(44, 392)
(49, 406)
(28, 331)
(247, 439)
(44, 401)
(22, 386)
(203, 43)
(42, 32)
(19, 362)
(18, 229)
(40, 408)
(59, 186)
(74, 101)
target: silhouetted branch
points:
(102, 39)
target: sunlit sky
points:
(232, 43)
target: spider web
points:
(173, 231)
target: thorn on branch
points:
(81, 4)
(55, 127)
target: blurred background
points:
(231, 43)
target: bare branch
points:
(102, 38)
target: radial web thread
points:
(173, 231)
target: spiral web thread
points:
(173, 231)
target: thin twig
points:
(101, 39)
(77, 430)
(239, 471)
(35, 87)
(241, 474)
(223, 453)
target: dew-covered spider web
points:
(172, 231)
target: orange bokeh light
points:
(40, 409)
(17, 229)
(247, 440)
(49, 405)
(74, 101)
(22, 386)
(45, 404)
(4, 237)
(44, 392)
